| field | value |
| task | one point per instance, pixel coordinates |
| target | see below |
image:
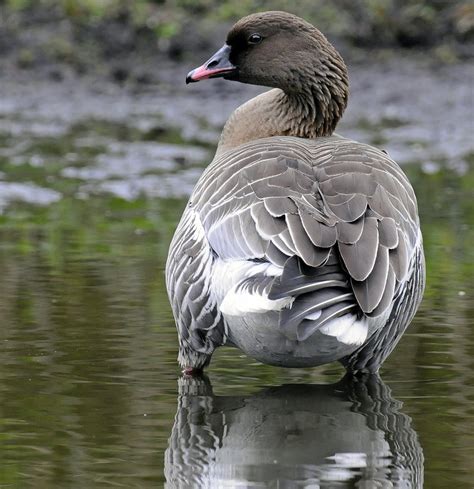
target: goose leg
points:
(191, 361)
(192, 372)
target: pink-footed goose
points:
(298, 246)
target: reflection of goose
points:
(293, 436)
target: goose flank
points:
(298, 246)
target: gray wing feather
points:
(369, 292)
(359, 257)
(249, 234)
(351, 209)
(319, 233)
(399, 258)
(312, 303)
(278, 207)
(297, 279)
(388, 294)
(311, 255)
(283, 243)
(350, 232)
(306, 328)
(266, 224)
(388, 232)
(274, 255)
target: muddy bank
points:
(83, 137)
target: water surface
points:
(92, 183)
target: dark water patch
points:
(31, 172)
(116, 130)
(66, 145)
(157, 131)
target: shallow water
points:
(90, 392)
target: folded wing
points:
(338, 217)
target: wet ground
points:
(93, 178)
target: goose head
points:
(280, 50)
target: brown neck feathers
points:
(309, 104)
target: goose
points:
(297, 246)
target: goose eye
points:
(255, 39)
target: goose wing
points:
(282, 197)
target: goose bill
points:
(217, 66)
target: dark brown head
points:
(281, 50)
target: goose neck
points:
(303, 114)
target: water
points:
(92, 183)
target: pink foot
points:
(192, 371)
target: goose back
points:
(289, 196)
(328, 210)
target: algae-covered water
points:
(93, 179)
